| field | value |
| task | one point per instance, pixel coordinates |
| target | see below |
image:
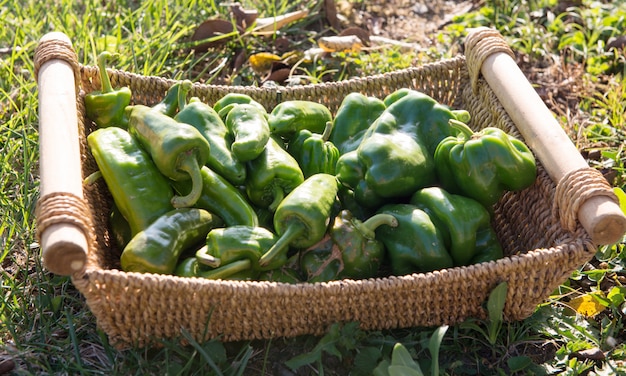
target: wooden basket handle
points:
(63, 221)
(582, 192)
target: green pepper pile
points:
(382, 187)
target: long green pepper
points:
(158, 248)
(178, 149)
(207, 121)
(139, 190)
(302, 218)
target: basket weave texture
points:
(139, 309)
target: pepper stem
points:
(183, 90)
(463, 129)
(227, 270)
(189, 164)
(279, 195)
(462, 115)
(327, 130)
(203, 257)
(281, 246)
(105, 82)
(368, 227)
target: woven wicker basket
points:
(138, 309)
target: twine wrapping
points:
(573, 190)
(479, 46)
(56, 49)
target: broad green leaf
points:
(495, 304)
(518, 363)
(401, 357)
(404, 371)
(617, 295)
(622, 198)
(433, 347)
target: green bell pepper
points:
(271, 176)
(354, 116)
(158, 248)
(206, 120)
(416, 245)
(106, 107)
(229, 101)
(290, 117)
(314, 153)
(221, 198)
(461, 219)
(302, 217)
(485, 164)
(249, 127)
(350, 250)
(126, 169)
(227, 244)
(178, 149)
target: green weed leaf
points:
(433, 346)
(518, 363)
(401, 362)
(495, 304)
(622, 198)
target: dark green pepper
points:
(158, 248)
(206, 120)
(250, 130)
(177, 149)
(288, 273)
(302, 217)
(169, 105)
(290, 117)
(120, 228)
(271, 176)
(350, 250)
(226, 103)
(461, 219)
(239, 270)
(106, 107)
(139, 190)
(234, 243)
(354, 116)
(485, 164)
(220, 197)
(314, 153)
(416, 244)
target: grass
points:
(47, 329)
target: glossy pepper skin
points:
(424, 117)
(303, 216)
(158, 248)
(237, 270)
(106, 107)
(290, 117)
(221, 198)
(229, 101)
(228, 244)
(126, 168)
(350, 250)
(416, 245)
(485, 164)
(314, 153)
(392, 161)
(250, 129)
(461, 219)
(354, 116)
(206, 120)
(271, 176)
(169, 104)
(178, 149)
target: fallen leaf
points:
(214, 33)
(589, 354)
(340, 43)
(586, 305)
(262, 62)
